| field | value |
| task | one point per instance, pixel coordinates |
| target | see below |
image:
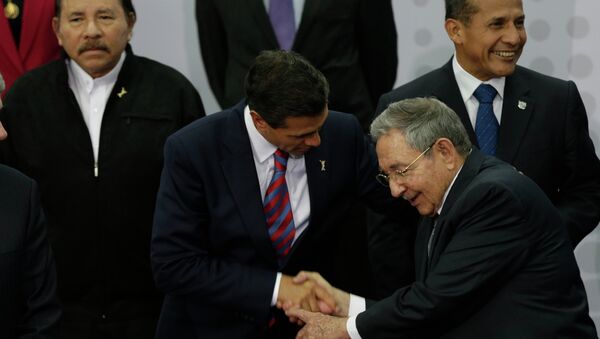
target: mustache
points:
(93, 45)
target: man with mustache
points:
(90, 129)
(536, 123)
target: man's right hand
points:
(341, 298)
(305, 294)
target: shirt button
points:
(103, 316)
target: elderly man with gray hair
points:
(493, 258)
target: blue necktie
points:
(278, 209)
(486, 125)
(281, 14)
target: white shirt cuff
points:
(357, 305)
(276, 289)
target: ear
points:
(258, 121)
(454, 29)
(56, 29)
(131, 19)
(447, 153)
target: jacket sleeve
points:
(184, 261)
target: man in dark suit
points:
(353, 42)
(214, 250)
(543, 129)
(493, 257)
(90, 130)
(29, 307)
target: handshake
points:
(309, 300)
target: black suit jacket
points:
(211, 252)
(501, 266)
(353, 42)
(28, 304)
(548, 139)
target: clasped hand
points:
(311, 300)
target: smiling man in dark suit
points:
(215, 251)
(492, 255)
(539, 122)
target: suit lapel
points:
(516, 113)
(448, 92)
(258, 11)
(318, 177)
(468, 172)
(309, 12)
(240, 174)
(421, 262)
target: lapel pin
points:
(522, 104)
(322, 165)
(122, 93)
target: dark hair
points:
(461, 10)
(283, 84)
(126, 4)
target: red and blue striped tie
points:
(278, 209)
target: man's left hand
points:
(318, 325)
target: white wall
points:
(563, 42)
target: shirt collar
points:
(261, 148)
(439, 211)
(84, 81)
(467, 83)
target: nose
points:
(313, 140)
(397, 188)
(513, 35)
(91, 29)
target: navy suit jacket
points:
(28, 303)
(501, 266)
(211, 252)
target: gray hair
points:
(2, 85)
(422, 121)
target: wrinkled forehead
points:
(70, 7)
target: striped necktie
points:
(278, 209)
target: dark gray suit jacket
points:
(501, 266)
(28, 303)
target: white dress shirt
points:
(467, 84)
(295, 177)
(92, 95)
